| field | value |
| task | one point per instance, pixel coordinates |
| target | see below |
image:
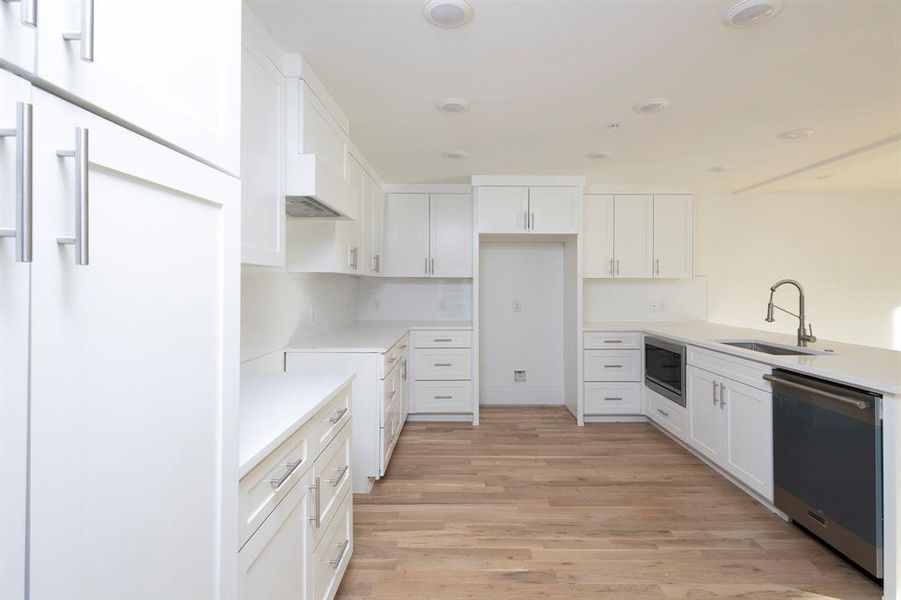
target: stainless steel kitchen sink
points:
(769, 348)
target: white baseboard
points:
(439, 417)
(522, 394)
(615, 419)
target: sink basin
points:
(769, 348)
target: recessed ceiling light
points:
(615, 125)
(795, 134)
(453, 105)
(598, 155)
(827, 176)
(448, 13)
(719, 169)
(751, 12)
(651, 105)
(454, 154)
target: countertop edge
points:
(249, 464)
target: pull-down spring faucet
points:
(803, 335)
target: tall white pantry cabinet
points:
(119, 316)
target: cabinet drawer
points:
(333, 470)
(746, 371)
(613, 398)
(394, 356)
(442, 364)
(668, 414)
(263, 488)
(619, 340)
(610, 365)
(329, 420)
(442, 339)
(442, 397)
(331, 558)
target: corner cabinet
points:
(429, 235)
(637, 236)
(510, 209)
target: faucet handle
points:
(810, 336)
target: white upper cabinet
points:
(597, 240)
(672, 235)
(502, 209)
(637, 236)
(407, 235)
(633, 236)
(555, 209)
(18, 33)
(349, 232)
(373, 260)
(514, 209)
(450, 235)
(170, 68)
(429, 235)
(262, 158)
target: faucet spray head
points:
(769, 309)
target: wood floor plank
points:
(529, 506)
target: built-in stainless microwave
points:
(664, 368)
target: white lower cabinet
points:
(613, 398)
(302, 545)
(669, 415)
(731, 423)
(612, 372)
(442, 372)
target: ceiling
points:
(546, 77)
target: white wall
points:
(533, 339)
(387, 299)
(844, 248)
(630, 299)
(275, 304)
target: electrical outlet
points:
(376, 305)
(519, 376)
(517, 306)
(656, 306)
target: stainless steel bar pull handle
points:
(342, 471)
(613, 398)
(442, 364)
(722, 394)
(714, 392)
(337, 416)
(316, 517)
(86, 35)
(663, 412)
(24, 180)
(443, 397)
(806, 388)
(617, 266)
(432, 272)
(611, 266)
(657, 266)
(278, 481)
(342, 549)
(28, 12)
(82, 192)
(426, 265)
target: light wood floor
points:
(529, 506)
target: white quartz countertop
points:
(875, 369)
(275, 405)
(368, 336)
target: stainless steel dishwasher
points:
(827, 455)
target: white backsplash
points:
(388, 299)
(632, 299)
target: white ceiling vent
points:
(453, 105)
(448, 13)
(454, 154)
(795, 134)
(651, 105)
(751, 12)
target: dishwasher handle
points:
(860, 404)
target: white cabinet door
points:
(502, 209)
(555, 209)
(706, 417)
(18, 33)
(597, 236)
(262, 160)
(450, 217)
(349, 232)
(749, 435)
(134, 366)
(275, 561)
(371, 259)
(672, 235)
(169, 67)
(15, 291)
(407, 235)
(633, 237)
